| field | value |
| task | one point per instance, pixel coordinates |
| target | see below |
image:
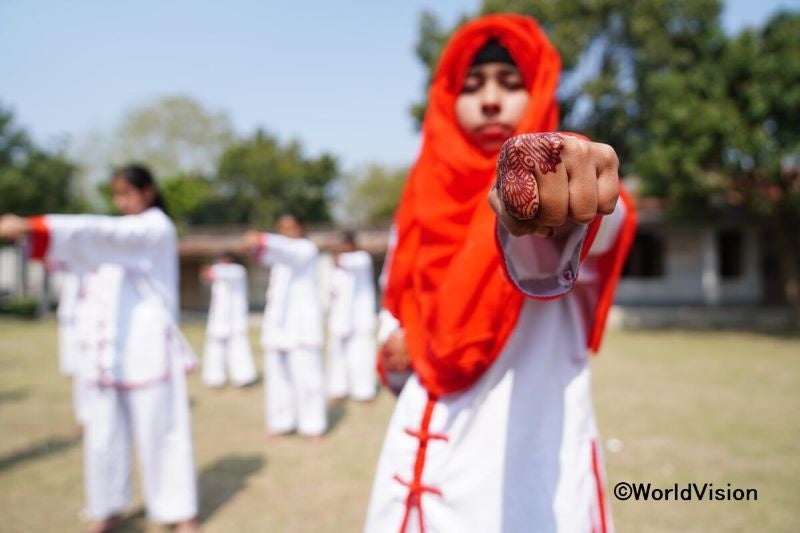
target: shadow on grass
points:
(13, 395)
(135, 522)
(337, 409)
(38, 450)
(220, 481)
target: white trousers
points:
(351, 366)
(156, 417)
(295, 399)
(233, 352)
(79, 407)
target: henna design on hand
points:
(516, 182)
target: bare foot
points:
(316, 439)
(187, 526)
(107, 525)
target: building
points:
(709, 274)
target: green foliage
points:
(185, 196)
(762, 160)
(694, 113)
(255, 181)
(33, 181)
(707, 121)
(20, 306)
(431, 41)
(371, 195)
(260, 178)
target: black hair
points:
(493, 52)
(140, 177)
(229, 255)
(349, 236)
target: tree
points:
(762, 153)
(370, 195)
(706, 121)
(32, 180)
(610, 50)
(260, 178)
(173, 135)
(186, 197)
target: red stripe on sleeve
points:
(258, 253)
(39, 237)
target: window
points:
(730, 254)
(646, 259)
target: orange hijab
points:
(446, 284)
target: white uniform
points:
(292, 337)
(519, 450)
(351, 328)
(134, 362)
(69, 344)
(226, 332)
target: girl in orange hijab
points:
(492, 315)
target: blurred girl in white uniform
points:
(351, 324)
(227, 344)
(291, 330)
(134, 357)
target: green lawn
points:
(682, 407)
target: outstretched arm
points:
(272, 248)
(84, 241)
(552, 193)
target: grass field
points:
(677, 407)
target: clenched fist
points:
(545, 180)
(394, 353)
(250, 242)
(13, 227)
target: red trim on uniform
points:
(425, 435)
(591, 233)
(259, 251)
(39, 237)
(601, 503)
(415, 487)
(383, 374)
(609, 267)
(106, 382)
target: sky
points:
(338, 76)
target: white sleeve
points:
(87, 241)
(609, 230)
(278, 249)
(383, 278)
(387, 324)
(342, 298)
(539, 267)
(548, 268)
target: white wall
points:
(691, 272)
(10, 267)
